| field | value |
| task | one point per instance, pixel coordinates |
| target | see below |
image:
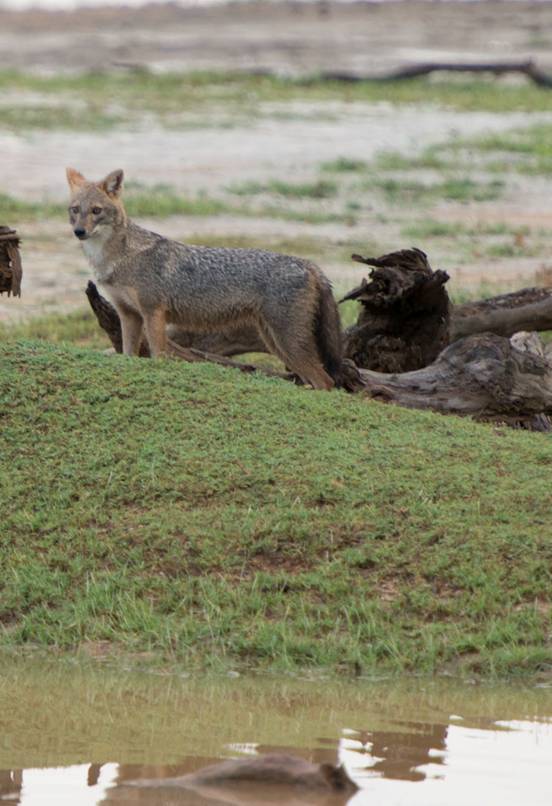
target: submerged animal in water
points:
(277, 778)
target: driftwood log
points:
(406, 318)
(11, 271)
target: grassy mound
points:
(216, 519)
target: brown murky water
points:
(73, 736)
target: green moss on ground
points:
(219, 519)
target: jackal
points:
(154, 281)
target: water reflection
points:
(10, 784)
(78, 737)
(516, 754)
(397, 753)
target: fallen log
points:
(11, 271)
(526, 68)
(506, 314)
(484, 376)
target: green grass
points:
(218, 519)
(14, 209)
(429, 228)
(405, 191)
(321, 189)
(185, 95)
(429, 159)
(79, 328)
(344, 165)
(89, 118)
(158, 201)
(161, 201)
(469, 243)
(524, 150)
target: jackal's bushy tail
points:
(328, 332)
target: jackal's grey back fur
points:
(213, 287)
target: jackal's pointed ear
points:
(113, 184)
(75, 179)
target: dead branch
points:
(527, 68)
(107, 316)
(11, 271)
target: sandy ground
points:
(270, 145)
(211, 158)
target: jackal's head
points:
(96, 208)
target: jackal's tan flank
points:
(154, 281)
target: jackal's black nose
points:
(80, 233)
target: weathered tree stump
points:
(11, 271)
(404, 321)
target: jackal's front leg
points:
(131, 328)
(155, 325)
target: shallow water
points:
(74, 735)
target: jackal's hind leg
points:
(307, 365)
(299, 354)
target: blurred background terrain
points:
(229, 135)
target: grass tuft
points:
(321, 189)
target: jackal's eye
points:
(96, 210)
(74, 210)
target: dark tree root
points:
(11, 271)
